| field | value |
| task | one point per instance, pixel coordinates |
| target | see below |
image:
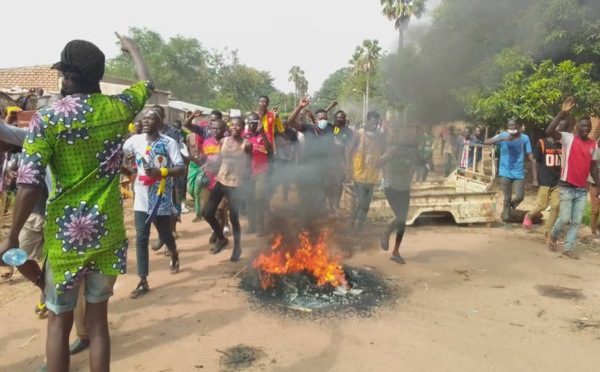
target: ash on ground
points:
(299, 294)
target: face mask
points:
(513, 131)
(322, 124)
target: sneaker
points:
(572, 255)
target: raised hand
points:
(568, 105)
(304, 102)
(127, 45)
(197, 113)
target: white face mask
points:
(513, 131)
(322, 124)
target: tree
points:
(333, 85)
(536, 98)
(180, 65)
(184, 67)
(299, 81)
(401, 12)
(239, 82)
(472, 45)
(365, 61)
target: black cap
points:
(84, 60)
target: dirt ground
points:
(469, 299)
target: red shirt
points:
(577, 158)
(259, 155)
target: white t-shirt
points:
(164, 153)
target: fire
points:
(284, 258)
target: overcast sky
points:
(318, 35)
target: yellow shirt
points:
(366, 156)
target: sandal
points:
(219, 246)
(552, 245)
(8, 275)
(527, 223)
(141, 290)
(398, 259)
(572, 255)
(174, 265)
(385, 242)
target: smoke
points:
(452, 51)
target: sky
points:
(320, 36)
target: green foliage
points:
(192, 73)
(332, 86)
(535, 98)
(488, 60)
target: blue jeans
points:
(573, 201)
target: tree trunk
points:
(367, 94)
(401, 38)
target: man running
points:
(547, 154)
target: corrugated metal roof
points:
(185, 106)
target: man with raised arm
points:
(580, 156)
(81, 138)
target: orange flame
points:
(284, 258)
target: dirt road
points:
(471, 299)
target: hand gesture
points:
(197, 114)
(310, 116)
(275, 109)
(153, 172)
(568, 105)
(333, 103)
(304, 102)
(127, 45)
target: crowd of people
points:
(69, 211)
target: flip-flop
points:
(398, 259)
(385, 243)
(41, 310)
(219, 246)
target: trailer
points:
(465, 195)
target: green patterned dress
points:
(81, 139)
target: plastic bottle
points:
(14, 257)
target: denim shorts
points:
(98, 288)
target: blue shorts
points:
(98, 288)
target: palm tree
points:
(401, 12)
(364, 60)
(300, 83)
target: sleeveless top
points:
(365, 159)
(233, 165)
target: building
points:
(24, 78)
